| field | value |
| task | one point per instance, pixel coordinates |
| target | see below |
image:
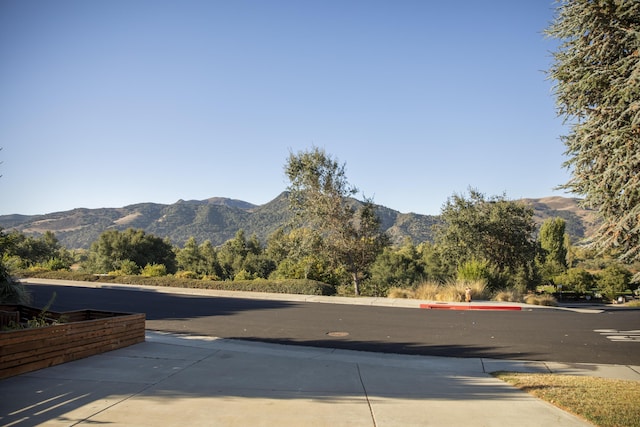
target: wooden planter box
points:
(83, 333)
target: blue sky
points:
(110, 103)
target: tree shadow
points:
(165, 378)
(156, 305)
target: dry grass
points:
(508, 295)
(451, 292)
(400, 293)
(427, 291)
(603, 402)
(544, 299)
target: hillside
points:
(580, 222)
(218, 219)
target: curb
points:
(445, 306)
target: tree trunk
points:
(356, 284)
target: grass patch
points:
(603, 402)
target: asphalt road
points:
(538, 334)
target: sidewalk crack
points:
(366, 396)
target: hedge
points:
(288, 286)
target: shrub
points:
(479, 289)
(400, 293)
(427, 291)
(243, 275)
(290, 286)
(127, 268)
(12, 292)
(546, 300)
(154, 270)
(508, 295)
(56, 264)
(613, 280)
(576, 279)
(471, 271)
(451, 292)
(185, 274)
(345, 291)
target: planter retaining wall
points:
(84, 333)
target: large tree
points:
(113, 248)
(495, 230)
(554, 250)
(597, 73)
(319, 195)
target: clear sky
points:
(111, 103)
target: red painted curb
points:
(470, 307)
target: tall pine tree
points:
(597, 75)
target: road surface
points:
(610, 337)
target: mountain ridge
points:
(218, 219)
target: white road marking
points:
(620, 336)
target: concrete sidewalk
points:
(173, 380)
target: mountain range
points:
(218, 219)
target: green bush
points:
(11, 292)
(154, 270)
(56, 264)
(474, 270)
(613, 280)
(576, 279)
(127, 268)
(186, 274)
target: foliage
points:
(554, 250)
(433, 262)
(613, 280)
(114, 249)
(552, 240)
(241, 255)
(290, 286)
(319, 198)
(11, 292)
(474, 270)
(576, 279)
(394, 268)
(126, 268)
(545, 300)
(597, 74)
(44, 251)
(154, 270)
(494, 230)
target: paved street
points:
(601, 336)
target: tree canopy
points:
(495, 230)
(319, 196)
(597, 73)
(115, 249)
